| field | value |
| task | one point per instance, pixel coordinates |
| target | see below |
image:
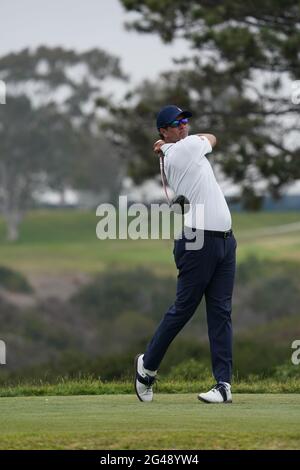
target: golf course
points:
(65, 241)
(63, 244)
(253, 421)
(149, 233)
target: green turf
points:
(65, 241)
(90, 386)
(170, 422)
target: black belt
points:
(212, 233)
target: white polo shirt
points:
(190, 174)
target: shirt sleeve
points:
(197, 145)
(180, 154)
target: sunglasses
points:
(177, 122)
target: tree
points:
(18, 124)
(100, 169)
(238, 81)
(47, 125)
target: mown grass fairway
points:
(65, 241)
(260, 421)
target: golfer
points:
(207, 271)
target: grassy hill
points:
(95, 325)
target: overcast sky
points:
(82, 25)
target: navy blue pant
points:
(209, 271)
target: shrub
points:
(190, 369)
(14, 281)
(287, 371)
(115, 292)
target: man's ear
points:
(161, 132)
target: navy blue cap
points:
(169, 113)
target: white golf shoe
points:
(143, 382)
(220, 393)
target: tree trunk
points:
(13, 220)
(63, 200)
(2, 352)
(14, 195)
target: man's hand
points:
(157, 146)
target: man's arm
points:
(212, 139)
